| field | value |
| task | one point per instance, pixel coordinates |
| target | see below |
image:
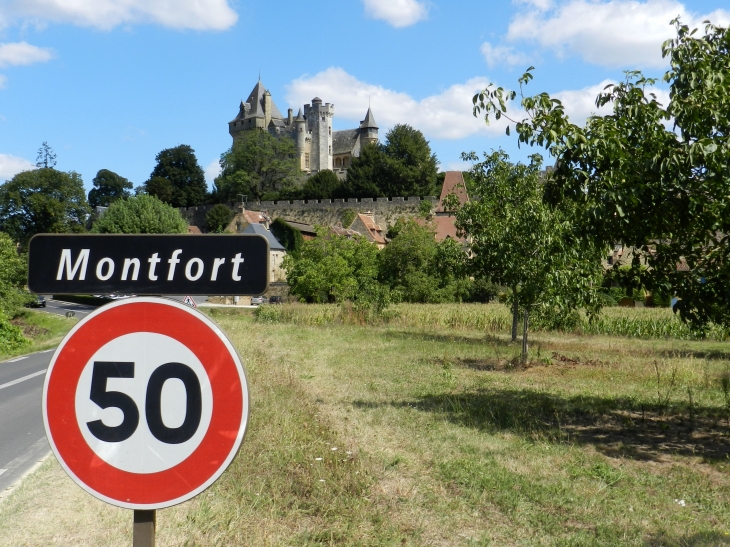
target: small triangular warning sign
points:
(190, 302)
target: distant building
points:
(318, 147)
(277, 252)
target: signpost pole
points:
(144, 528)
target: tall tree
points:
(322, 185)
(519, 241)
(180, 167)
(142, 214)
(46, 156)
(331, 268)
(402, 166)
(633, 178)
(256, 164)
(108, 187)
(42, 201)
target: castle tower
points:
(319, 122)
(300, 137)
(368, 129)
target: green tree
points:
(323, 185)
(402, 166)
(42, 201)
(331, 268)
(289, 237)
(13, 276)
(218, 218)
(660, 188)
(108, 187)
(258, 163)
(140, 214)
(520, 242)
(180, 167)
(418, 269)
(46, 157)
(159, 187)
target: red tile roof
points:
(453, 184)
(194, 230)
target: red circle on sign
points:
(227, 424)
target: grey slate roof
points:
(274, 244)
(369, 120)
(256, 100)
(344, 141)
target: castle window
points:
(330, 131)
(345, 161)
(338, 162)
(322, 118)
(330, 150)
(301, 129)
(306, 160)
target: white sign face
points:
(143, 451)
(145, 403)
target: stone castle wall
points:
(322, 212)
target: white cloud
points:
(502, 55)
(447, 115)
(581, 103)
(542, 5)
(22, 53)
(107, 14)
(616, 33)
(212, 170)
(12, 165)
(398, 13)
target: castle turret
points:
(319, 122)
(301, 139)
(368, 129)
(267, 108)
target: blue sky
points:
(110, 83)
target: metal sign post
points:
(145, 523)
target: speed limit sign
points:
(145, 403)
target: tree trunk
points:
(524, 338)
(515, 314)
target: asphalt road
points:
(22, 436)
(61, 308)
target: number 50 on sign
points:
(145, 403)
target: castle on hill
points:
(317, 145)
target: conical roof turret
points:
(300, 116)
(369, 121)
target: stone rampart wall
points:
(323, 212)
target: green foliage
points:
(257, 163)
(218, 218)
(186, 178)
(348, 217)
(46, 157)
(632, 178)
(140, 214)
(323, 185)
(520, 242)
(159, 187)
(289, 237)
(42, 201)
(425, 208)
(108, 187)
(417, 269)
(13, 277)
(331, 268)
(403, 166)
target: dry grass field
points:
(424, 433)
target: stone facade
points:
(322, 212)
(317, 145)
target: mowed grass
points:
(411, 435)
(43, 330)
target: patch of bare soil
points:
(30, 331)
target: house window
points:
(345, 161)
